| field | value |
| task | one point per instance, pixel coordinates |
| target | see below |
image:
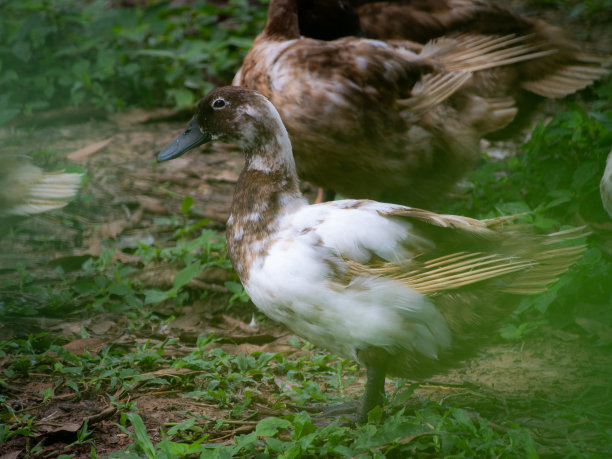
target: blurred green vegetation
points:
(55, 53)
(554, 179)
(581, 9)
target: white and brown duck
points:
(25, 189)
(400, 290)
(605, 186)
(365, 117)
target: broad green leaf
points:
(185, 425)
(270, 426)
(186, 274)
(186, 204)
(157, 296)
(584, 174)
(141, 435)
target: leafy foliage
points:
(557, 176)
(555, 181)
(104, 284)
(61, 52)
(231, 381)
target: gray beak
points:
(189, 139)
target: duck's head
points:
(236, 115)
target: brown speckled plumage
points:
(563, 72)
(356, 118)
(254, 208)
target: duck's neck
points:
(266, 190)
(283, 21)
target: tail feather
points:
(472, 53)
(550, 66)
(432, 91)
(26, 190)
(56, 186)
(569, 78)
(514, 261)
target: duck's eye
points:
(218, 103)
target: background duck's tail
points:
(27, 190)
(472, 52)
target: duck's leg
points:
(375, 361)
(374, 391)
(374, 396)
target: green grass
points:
(230, 382)
(451, 428)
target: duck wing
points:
(352, 275)
(26, 190)
(469, 251)
(555, 75)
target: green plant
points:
(555, 182)
(586, 9)
(107, 285)
(61, 52)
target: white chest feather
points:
(302, 282)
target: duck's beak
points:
(190, 138)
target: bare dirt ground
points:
(125, 191)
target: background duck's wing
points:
(363, 65)
(568, 76)
(473, 52)
(557, 74)
(25, 189)
(353, 72)
(459, 57)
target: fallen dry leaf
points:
(112, 229)
(125, 257)
(68, 328)
(100, 327)
(68, 430)
(153, 205)
(187, 323)
(79, 346)
(235, 324)
(92, 246)
(89, 150)
(226, 176)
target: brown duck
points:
(392, 120)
